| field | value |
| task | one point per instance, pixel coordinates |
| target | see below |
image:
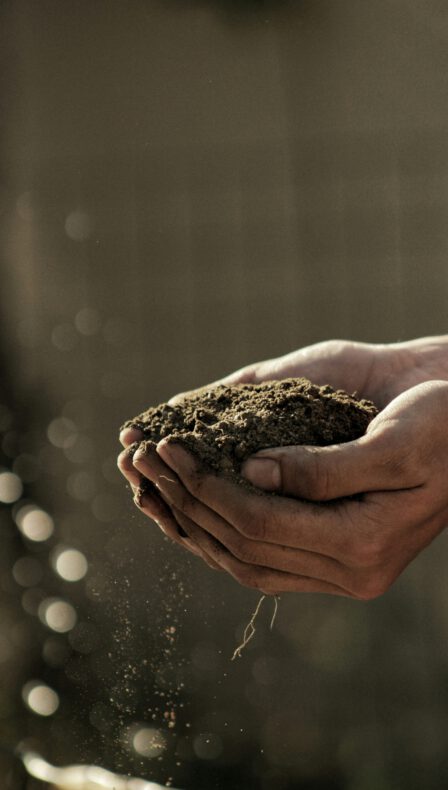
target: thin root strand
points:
(250, 629)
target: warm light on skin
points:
(81, 777)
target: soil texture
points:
(224, 425)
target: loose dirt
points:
(224, 425)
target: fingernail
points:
(263, 473)
(139, 454)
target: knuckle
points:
(316, 477)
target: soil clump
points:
(224, 425)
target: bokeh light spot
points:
(40, 698)
(78, 225)
(34, 523)
(11, 487)
(88, 321)
(27, 571)
(149, 742)
(62, 432)
(70, 564)
(57, 614)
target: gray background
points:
(219, 183)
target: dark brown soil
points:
(224, 425)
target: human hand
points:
(378, 372)
(302, 539)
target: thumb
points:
(324, 473)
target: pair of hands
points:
(310, 537)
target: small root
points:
(250, 629)
(274, 615)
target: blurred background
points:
(187, 187)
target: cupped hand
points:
(379, 372)
(310, 536)
(151, 502)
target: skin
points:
(310, 537)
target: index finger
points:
(130, 435)
(323, 528)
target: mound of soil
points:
(224, 425)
